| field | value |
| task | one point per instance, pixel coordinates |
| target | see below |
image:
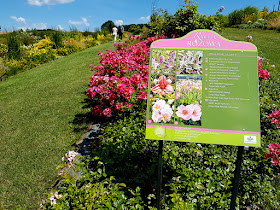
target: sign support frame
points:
(159, 181)
(236, 177)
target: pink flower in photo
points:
(184, 112)
(196, 113)
(222, 8)
(162, 86)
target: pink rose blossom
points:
(184, 112)
(196, 113)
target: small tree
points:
(13, 48)
(183, 21)
(107, 26)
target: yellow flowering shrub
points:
(261, 16)
(88, 40)
(3, 70)
(3, 49)
(22, 64)
(100, 37)
(70, 46)
(40, 52)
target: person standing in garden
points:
(115, 31)
(120, 31)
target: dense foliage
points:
(183, 21)
(252, 17)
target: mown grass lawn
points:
(36, 109)
(267, 41)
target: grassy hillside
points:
(36, 109)
(267, 41)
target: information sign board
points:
(203, 88)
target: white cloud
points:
(19, 20)
(119, 22)
(22, 28)
(48, 2)
(145, 18)
(40, 25)
(83, 22)
(59, 27)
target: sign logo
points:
(250, 139)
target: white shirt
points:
(115, 31)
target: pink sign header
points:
(203, 39)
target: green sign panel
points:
(203, 88)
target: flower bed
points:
(30, 51)
(195, 176)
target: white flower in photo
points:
(156, 117)
(166, 113)
(170, 101)
(159, 105)
(161, 111)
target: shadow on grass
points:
(82, 120)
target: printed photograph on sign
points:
(161, 111)
(163, 86)
(189, 88)
(190, 62)
(187, 114)
(163, 61)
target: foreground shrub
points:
(92, 189)
(121, 79)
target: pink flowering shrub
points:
(275, 115)
(263, 74)
(274, 152)
(121, 77)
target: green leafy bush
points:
(183, 21)
(93, 190)
(13, 48)
(235, 17)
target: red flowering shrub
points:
(274, 152)
(263, 74)
(121, 77)
(275, 115)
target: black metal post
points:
(236, 177)
(159, 183)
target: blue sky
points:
(91, 14)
